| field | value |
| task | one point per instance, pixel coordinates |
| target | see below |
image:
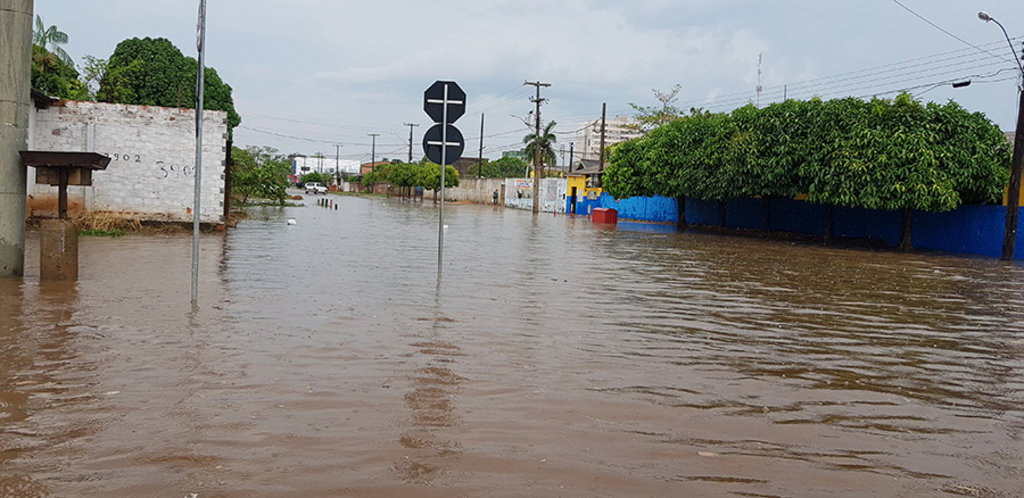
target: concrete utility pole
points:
(604, 108)
(337, 164)
(373, 151)
(411, 126)
(538, 170)
(15, 104)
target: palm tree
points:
(545, 144)
(50, 39)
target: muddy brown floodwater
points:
(555, 359)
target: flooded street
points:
(556, 358)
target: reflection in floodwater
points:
(554, 359)
(432, 430)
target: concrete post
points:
(15, 104)
(58, 251)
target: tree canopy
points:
(423, 174)
(259, 172)
(544, 144)
(152, 71)
(506, 167)
(53, 71)
(879, 154)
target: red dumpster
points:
(605, 215)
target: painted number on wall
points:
(172, 170)
(122, 157)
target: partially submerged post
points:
(58, 240)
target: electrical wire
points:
(936, 26)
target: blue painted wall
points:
(967, 230)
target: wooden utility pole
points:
(480, 159)
(571, 147)
(411, 126)
(604, 108)
(538, 169)
(1013, 194)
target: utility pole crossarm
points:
(411, 126)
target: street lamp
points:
(1013, 194)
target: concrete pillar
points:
(58, 251)
(15, 104)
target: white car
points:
(316, 188)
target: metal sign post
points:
(445, 103)
(200, 41)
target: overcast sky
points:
(308, 74)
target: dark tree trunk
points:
(721, 214)
(830, 230)
(681, 222)
(766, 214)
(905, 241)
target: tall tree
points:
(545, 143)
(260, 172)
(152, 71)
(651, 117)
(50, 39)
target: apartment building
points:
(588, 137)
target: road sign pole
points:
(444, 160)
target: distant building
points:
(588, 137)
(328, 165)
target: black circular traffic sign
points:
(432, 144)
(434, 101)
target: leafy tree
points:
(545, 144)
(50, 40)
(651, 117)
(316, 176)
(53, 71)
(260, 172)
(54, 77)
(92, 74)
(152, 71)
(430, 177)
(506, 167)
(878, 154)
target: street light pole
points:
(1017, 169)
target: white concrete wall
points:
(552, 194)
(476, 190)
(152, 151)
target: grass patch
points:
(103, 233)
(105, 224)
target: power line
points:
(936, 26)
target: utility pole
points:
(571, 147)
(538, 170)
(15, 106)
(604, 108)
(373, 151)
(480, 160)
(411, 126)
(337, 164)
(1013, 195)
